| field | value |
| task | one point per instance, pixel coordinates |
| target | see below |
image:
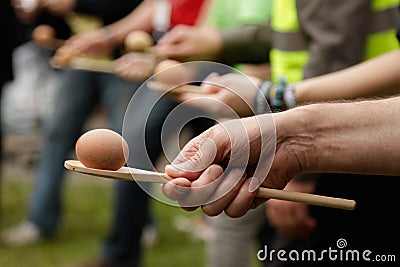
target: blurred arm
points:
(373, 78)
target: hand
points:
(26, 11)
(135, 66)
(230, 95)
(240, 148)
(187, 43)
(292, 219)
(93, 43)
(59, 7)
(244, 149)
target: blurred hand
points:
(292, 219)
(135, 66)
(59, 7)
(229, 96)
(94, 43)
(26, 11)
(188, 43)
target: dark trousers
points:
(147, 125)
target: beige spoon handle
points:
(52, 44)
(312, 199)
(89, 64)
(186, 88)
(132, 174)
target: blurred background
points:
(88, 210)
(28, 90)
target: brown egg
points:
(43, 34)
(29, 6)
(171, 72)
(138, 41)
(102, 149)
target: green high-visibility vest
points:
(289, 54)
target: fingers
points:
(213, 193)
(170, 45)
(290, 219)
(176, 188)
(195, 157)
(203, 188)
(65, 53)
(134, 66)
(226, 192)
(210, 83)
(212, 77)
(62, 57)
(174, 35)
(236, 203)
(92, 43)
(199, 101)
(242, 202)
(179, 43)
(194, 194)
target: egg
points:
(171, 72)
(29, 6)
(102, 149)
(138, 41)
(43, 34)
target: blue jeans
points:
(143, 134)
(143, 129)
(79, 94)
(122, 245)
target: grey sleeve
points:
(337, 32)
(246, 44)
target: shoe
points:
(24, 233)
(149, 236)
(198, 228)
(201, 229)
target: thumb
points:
(193, 159)
(199, 101)
(209, 83)
(211, 77)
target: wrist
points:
(275, 98)
(215, 45)
(296, 137)
(282, 96)
(109, 37)
(71, 5)
(261, 101)
(289, 96)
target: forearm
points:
(376, 77)
(109, 10)
(138, 19)
(358, 137)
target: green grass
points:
(87, 214)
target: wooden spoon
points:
(185, 88)
(132, 174)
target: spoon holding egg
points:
(173, 77)
(103, 153)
